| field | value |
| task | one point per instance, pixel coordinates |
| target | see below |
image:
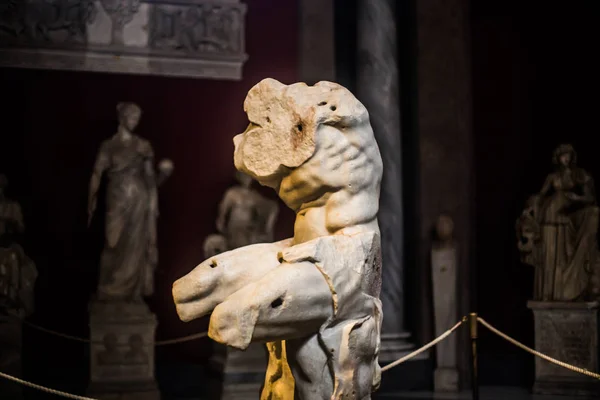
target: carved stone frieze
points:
(191, 38)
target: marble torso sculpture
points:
(313, 298)
(130, 256)
(17, 271)
(245, 217)
(557, 232)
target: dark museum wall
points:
(535, 79)
(54, 123)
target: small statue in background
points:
(557, 232)
(444, 264)
(130, 255)
(245, 217)
(17, 271)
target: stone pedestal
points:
(122, 352)
(242, 372)
(443, 271)
(567, 332)
(11, 330)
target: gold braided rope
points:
(427, 346)
(43, 388)
(84, 340)
(537, 353)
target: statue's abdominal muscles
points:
(337, 189)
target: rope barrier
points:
(84, 340)
(537, 353)
(43, 388)
(427, 346)
(383, 369)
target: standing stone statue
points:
(17, 281)
(444, 263)
(557, 232)
(313, 298)
(130, 256)
(245, 217)
(17, 271)
(557, 236)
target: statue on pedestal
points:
(557, 232)
(130, 255)
(313, 298)
(17, 281)
(444, 264)
(129, 258)
(245, 217)
(17, 271)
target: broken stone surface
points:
(313, 298)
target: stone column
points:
(445, 142)
(377, 89)
(316, 41)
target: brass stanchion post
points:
(473, 331)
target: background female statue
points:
(557, 231)
(17, 271)
(130, 255)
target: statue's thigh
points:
(310, 368)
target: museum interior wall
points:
(535, 78)
(54, 124)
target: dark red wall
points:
(535, 83)
(53, 124)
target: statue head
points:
(444, 228)
(129, 115)
(564, 156)
(244, 179)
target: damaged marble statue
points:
(18, 275)
(129, 258)
(313, 298)
(557, 233)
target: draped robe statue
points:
(557, 233)
(17, 271)
(130, 256)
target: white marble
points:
(313, 298)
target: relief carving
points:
(150, 37)
(46, 21)
(206, 28)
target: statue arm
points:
(291, 301)
(214, 280)
(165, 169)
(547, 185)
(19, 223)
(100, 166)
